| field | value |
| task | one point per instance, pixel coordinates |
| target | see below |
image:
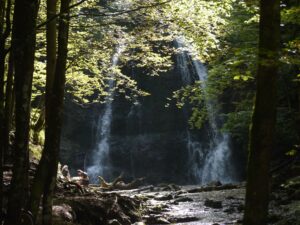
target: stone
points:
(215, 183)
(157, 220)
(63, 212)
(185, 219)
(240, 207)
(114, 222)
(213, 204)
(164, 197)
(183, 199)
(229, 210)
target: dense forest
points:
(196, 103)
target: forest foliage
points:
(223, 35)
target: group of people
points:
(81, 179)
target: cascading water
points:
(101, 161)
(217, 162)
(210, 163)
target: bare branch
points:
(59, 14)
(117, 13)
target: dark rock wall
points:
(149, 139)
(146, 140)
(78, 134)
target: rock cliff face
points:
(78, 134)
(147, 139)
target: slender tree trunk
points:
(23, 47)
(264, 115)
(2, 62)
(9, 102)
(54, 111)
(5, 28)
(51, 59)
(42, 171)
(45, 179)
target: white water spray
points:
(101, 161)
(212, 164)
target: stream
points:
(172, 204)
(212, 204)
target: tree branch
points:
(117, 13)
(59, 14)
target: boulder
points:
(213, 204)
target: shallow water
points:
(192, 210)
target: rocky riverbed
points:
(213, 204)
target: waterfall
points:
(210, 163)
(101, 161)
(217, 164)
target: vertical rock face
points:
(78, 134)
(147, 139)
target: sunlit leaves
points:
(291, 15)
(202, 22)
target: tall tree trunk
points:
(45, 179)
(264, 115)
(23, 47)
(2, 62)
(8, 111)
(51, 36)
(1, 137)
(42, 170)
(5, 28)
(54, 111)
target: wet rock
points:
(215, 183)
(157, 220)
(114, 222)
(180, 192)
(240, 207)
(213, 204)
(230, 198)
(229, 210)
(161, 220)
(64, 212)
(158, 209)
(184, 219)
(169, 187)
(183, 199)
(139, 223)
(214, 188)
(164, 197)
